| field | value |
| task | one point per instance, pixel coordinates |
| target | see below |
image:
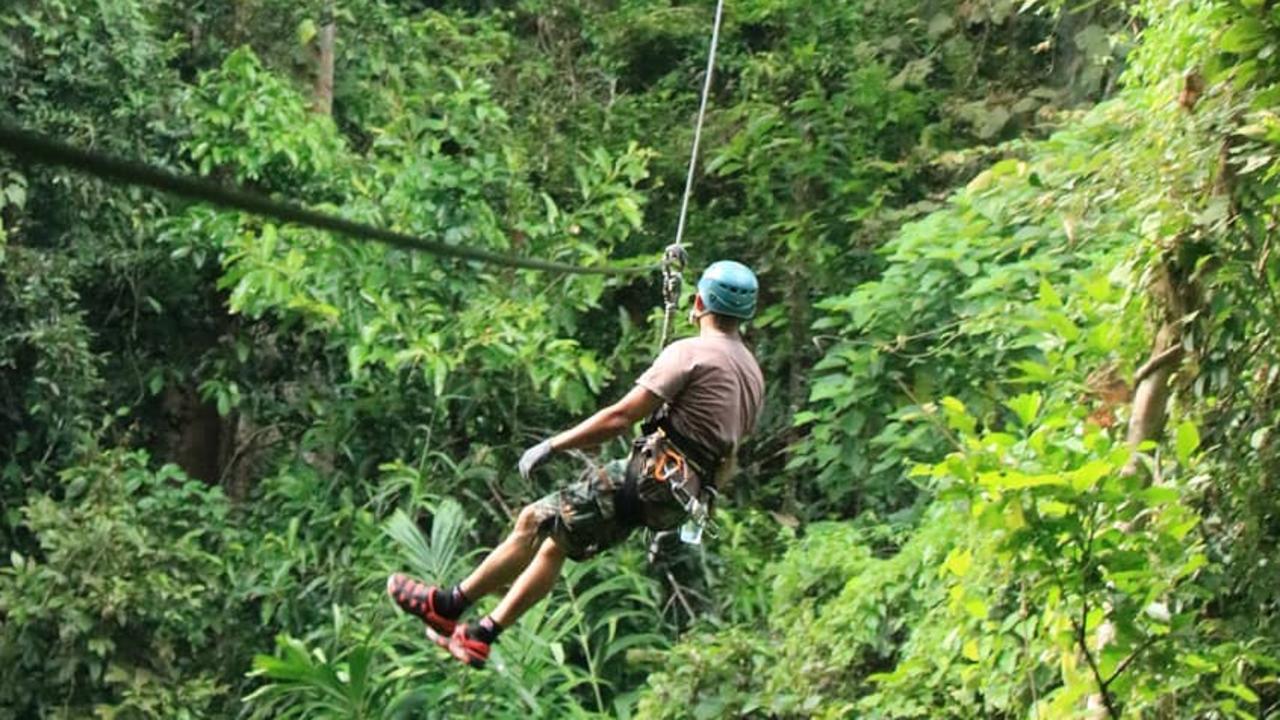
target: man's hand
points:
(535, 456)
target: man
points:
(702, 396)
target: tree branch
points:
(1093, 666)
(946, 431)
(1124, 665)
(1155, 363)
(679, 595)
(1082, 627)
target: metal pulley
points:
(674, 260)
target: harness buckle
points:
(669, 464)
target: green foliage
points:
(123, 607)
(963, 262)
(968, 299)
(435, 560)
(562, 660)
(1046, 574)
(245, 120)
(1066, 555)
(381, 306)
(354, 687)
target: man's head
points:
(727, 291)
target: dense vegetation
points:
(1020, 332)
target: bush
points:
(123, 608)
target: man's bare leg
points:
(532, 585)
(505, 562)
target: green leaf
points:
(439, 375)
(1049, 297)
(828, 387)
(958, 562)
(17, 195)
(804, 418)
(1239, 690)
(1026, 407)
(630, 211)
(1186, 440)
(1014, 518)
(976, 608)
(307, 31)
(1159, 495)
(1087, 476)
(940, 25)
(1034, 372)
(1246, 36)
(1198, 663)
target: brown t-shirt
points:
(713, 389)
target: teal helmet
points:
(729, 288)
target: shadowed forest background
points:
(1019, 326)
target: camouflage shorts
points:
(602, 509)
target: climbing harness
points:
(666, 469)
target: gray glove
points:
(535, 456)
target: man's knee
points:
(551, 550)
(529, 523)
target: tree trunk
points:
(196, 435)
(1177, 295)
(322, 101)
(1151, 391)
(798, 320)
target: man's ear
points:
(698, 306)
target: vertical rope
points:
(702, 114)
(675, 258)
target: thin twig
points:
(244, 449)
(1124, 665)
(1093, 666)
(1083, 626)
(930, 415)
(898, 341)
(1026, 648)
(675, 588)
(497, 496)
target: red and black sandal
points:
(466, 649)
(418, 600)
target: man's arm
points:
(609, 422)
(664, 376)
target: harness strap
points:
(701, 464)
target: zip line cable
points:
(43, 150)
(675, 258)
